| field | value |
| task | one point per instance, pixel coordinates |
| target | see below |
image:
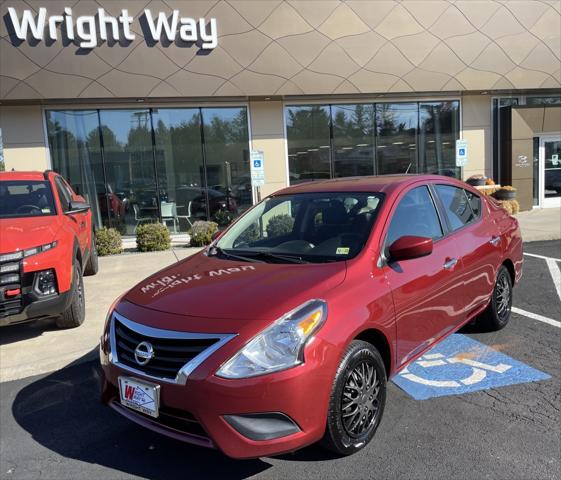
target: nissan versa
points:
(285, 330)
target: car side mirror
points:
(410, 246)
(78, 207)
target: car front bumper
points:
(224, 414)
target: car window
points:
(63, 195)
(456, 205)
(415, 215)
(474, 202)
(26, 198)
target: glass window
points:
(76, 154)
(308, 138)
(438, 130)
(396, 126)
(474, 202)
(536, 171)
(315, 227)
(180, 167)
(456, 205)
(64, 195)
(353, 140)
(226, 141)
(25, 198)
(129, 166)
(543, 100)
(416, 216)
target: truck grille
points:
(175, 354)
(10, 279)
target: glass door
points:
(550, 170)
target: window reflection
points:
(397, 137)
(309, 146)
(147, 165)
(353, 140)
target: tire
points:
(498, 312)
(75, 314)
(92, 267)
(347, 433)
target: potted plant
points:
(505, 193)
(476, 180)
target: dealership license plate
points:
(141, 396)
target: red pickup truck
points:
(47, 243)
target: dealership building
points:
(153, 113)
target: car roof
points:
(14, 175)
(381, 183)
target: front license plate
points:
(141, 396)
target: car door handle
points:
(450, 263)
(495, 240)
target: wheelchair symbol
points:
(478, 374)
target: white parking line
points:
(555, 274)
(535, 316)
(543, 257)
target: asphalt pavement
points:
(53, 426)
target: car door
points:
(77, 221)
(478, 241)
(427, 291)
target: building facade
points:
(151, 109)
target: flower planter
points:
(505, 194)
(475, 182)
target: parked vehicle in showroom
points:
(285, 330)
(46, 243)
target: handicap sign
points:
(257, 168)
(256, 163)
(461, 365)
(461, 153)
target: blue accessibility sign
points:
(461, 365)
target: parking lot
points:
(53, 425)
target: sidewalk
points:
(540, 224)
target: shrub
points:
(250, 234)
(279, 225)
(511, 206)
(108, 242)
(223, 218)
(152, 237)
(201, 233)
(508, 188)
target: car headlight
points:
(279, 346)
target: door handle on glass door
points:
(450, 263)
(495, 241)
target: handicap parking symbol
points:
(462, 365)
(462, 152)
(256, 163)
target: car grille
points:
(170, 354)
(11, 280)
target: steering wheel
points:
(24, 208)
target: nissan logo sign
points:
(143, 353)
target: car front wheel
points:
(357, 399)
(75, 314)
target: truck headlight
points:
(279, 346)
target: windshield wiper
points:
(217, 250)
(279, 256)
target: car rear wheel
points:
(76, 312)
(92, 266)
(497, 314)
(357, 399)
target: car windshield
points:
(26, 198)
(302, 228)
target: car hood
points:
(21, 233)
(216, 288)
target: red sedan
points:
(285, 330)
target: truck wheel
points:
(92, 266)
(357, 399)
(497, 314)
(76, 312)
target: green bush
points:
(250, 234)
(152, 237)
(223, 218)
(108, 242)
(279, 225)
(201, 233)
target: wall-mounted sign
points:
(89, 31)
(522, 161)
(257, 160)
(461, 153)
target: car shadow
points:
(62, 412)
(24, 331)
